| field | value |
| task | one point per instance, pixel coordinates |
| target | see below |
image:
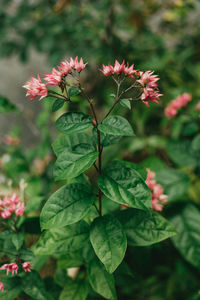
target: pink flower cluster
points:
(36, 88)
(13, 268)
(150, 91)
(173, 107)
(118, 68)
(11, 205)
(147, 80)
(8, 140)
(158, 198)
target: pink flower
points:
(35, 88)
(158, 198)
(65, 67)
(54, 78)
(11, 205)
(1, 286)
(19, 209)
(11, 141)
(72, 62)
(26, 266)
(79, 66)
(119, 68)
(198, 106)
(107, 70)
(172, 109)
(13, 267)
(129, 71)
(6, 214)
(148, 82)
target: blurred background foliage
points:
(154, 35)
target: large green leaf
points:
(182, 153)
(124, 185)
(71, 122)
(109, 241)
(33, 286)
(101, 281)
(70, 141)
(72, 164)
(66, 206)
(187, 241)
(116, 125)
(62, 240)
(74, 290)
(71, 260)
(6, 105)
(144, 228)
(174, 182)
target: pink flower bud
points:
(26, 266)
(1, 286)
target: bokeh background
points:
(164, 36)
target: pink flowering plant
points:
(89, 221)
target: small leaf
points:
(62, 240)
(144, 228)
(126, 103)
(66, 206)
(58, 103)
(73, 91)
(18, 240)
(101, 281)
(124, 185)
(116, 125)
(74, 290)
(187, 241)
(71, 122)
(72, 164)
(109, 241)
(6, 106)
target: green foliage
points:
(145, 228)
(58, 103)
(125, 186)
(74, 290)
(73, 122)
(116, 125)
(6, 106)
(66, 206)
(109, 241)
(187, 241)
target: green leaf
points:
(70, 141)
(74, 290)
(144, 228)
(187, 241)
(33, 286)
(71, 122)
(6, 106)
(72, 164)
(174, 182)
(66, 206)
(106, 139)
(101, 281)
(109, 241)
(73, 91)
(125, 186)
(12, 288)
(58, 103)
(62, 240)
(71, 260)
(196, 143)
(116, 125)
(126, 103)
(18, 240)
(182, 153)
